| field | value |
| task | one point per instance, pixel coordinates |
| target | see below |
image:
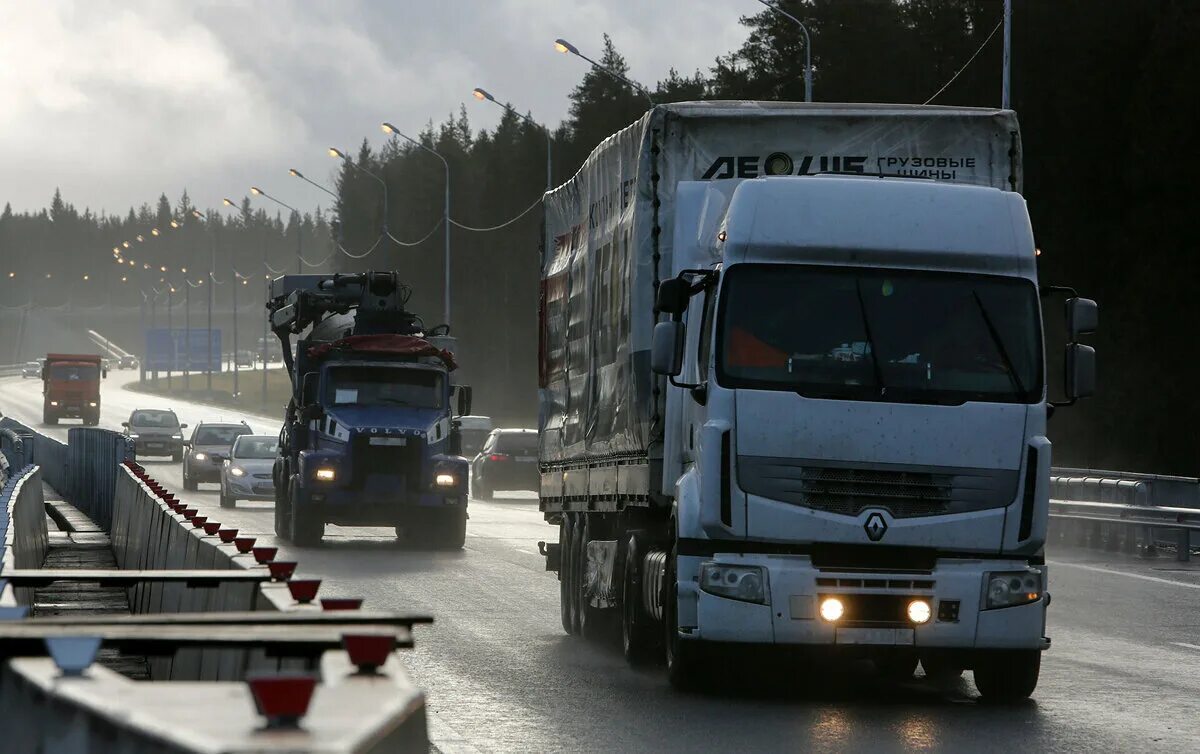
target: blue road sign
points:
(180, 350)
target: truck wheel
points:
(591, 619)
(896, 666)
(451, 528)
(637, 638)
(566, 530)
(1008, 676)
(573, 577)
(685, 658)
(307, 530)
(283, 522)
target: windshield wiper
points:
(1008, 365)
(862, 307)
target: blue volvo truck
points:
(370, 436)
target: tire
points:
(897, 666)
(1008, 676)
(566, 530)
(49, 419)
(480, 490)
(189, 484)
(227, 501)
(637, 635)
(592, 620)
(573, 575)
(283, 521)
(685, 658)
(306, 530)
(450, 528)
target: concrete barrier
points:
(23, 529)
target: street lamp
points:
(565, 47)
(483, 94)
(335, 152)
(297, 174)
(299, 234)
(807, 47)
(266, 295)
(388, 128)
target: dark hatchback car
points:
(208, 450)
(155, 432)
(508, 461)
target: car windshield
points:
(887, 335)
(392, 386)
(256, 447)
(517, 443)
(155, 419)
(74, 372)
(219, 435)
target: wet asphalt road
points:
(1123, 673)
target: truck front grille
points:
(905, 492)
(402, 461)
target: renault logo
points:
(875, 527)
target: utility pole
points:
(1006, 93)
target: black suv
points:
(508, 461)
(155, 432)
(210, 445)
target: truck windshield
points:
(391, 386)
(902, 336)
(75, 372)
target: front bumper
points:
(795, 588)
(157, 446)
(249, 487)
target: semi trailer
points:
(793, 389)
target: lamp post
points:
(297, 174)
(565, 47)
(388, 128)
(807, 47)
(299, 234)
(266, 294)
(483, 94)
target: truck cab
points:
(856, 423)
(370, 437)
(71, 387)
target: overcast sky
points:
(117, 101)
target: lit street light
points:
(483, 94)
(808, 87)
(388, 128)
(565, 47)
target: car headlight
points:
(236, 471)
(444, 480)
(133, 436)
(745, 583)
(326, 475)
(1009, 588)
(177, 436)
(53, 403)
(200, 456)
(93, 404)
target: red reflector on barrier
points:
(211, 527)
(304, 591)
(198, 521)
(281, 570)
(368, 651)
(341, 603)
(244, 544)
(227, 535)
(189, 513)
(282, 699)
(264, 554)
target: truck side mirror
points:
(462, 399)
(1083, 317)
(673, 296)
(666, 349)
(1081, 371)
(455, 443)
(308, 389)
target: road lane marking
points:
(1185, 644)
(1097, 569)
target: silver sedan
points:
(246, 475)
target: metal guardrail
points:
(1121, 510)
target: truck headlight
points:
(737, 582)
(326, 475)
(919, 611)
(832, 609)
(444, 480)
(236, 471)
(200, 456)
(1009, 588)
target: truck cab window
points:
(384, 386)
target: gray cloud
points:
(117, 101)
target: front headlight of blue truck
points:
(1011, 588)
(737, 582)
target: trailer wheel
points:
(593, 621)
(637, 636)
(685, 658)
(306, 529)
(566, 531)
(573, 586)
(1008, 676)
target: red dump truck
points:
(71, 387)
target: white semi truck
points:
(793, 389)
